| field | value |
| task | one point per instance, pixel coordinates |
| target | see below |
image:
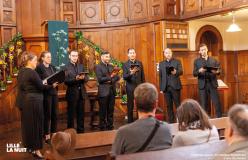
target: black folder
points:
(209, 69)
(85, 72)
(134, 65)
(56, 77)
(169, 70)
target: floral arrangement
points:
(60, 38)
(9, 55)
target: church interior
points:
(93, 27)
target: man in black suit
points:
(170, 71)
(107, 78)
(207, 81)
(133, 74)
(75, 93)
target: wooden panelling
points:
(157, 8)
(201, 8)
(115, 11)
(137, 9)
(89, 12)
(7, 20)
(68, 11)
(191, 7)
(7, 33)
(210, 5)
(8, 12)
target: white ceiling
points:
(240, 15)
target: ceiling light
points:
(233, 27)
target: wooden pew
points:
(95, 145)
(204, 151)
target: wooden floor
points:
(14, 136)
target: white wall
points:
(231, 41)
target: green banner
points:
(58, 42)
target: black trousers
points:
(172, 95)
(130, 105)
(75, 106)
(50, 113)
(106, 110)
(211, 91)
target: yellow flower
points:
(86, 48)
(11, 57)
(19, 43)
(11, 49)
(79, 42)
(97, 61)
(1, 62)
(121, 71)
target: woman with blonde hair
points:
(193, 125)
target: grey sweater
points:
(192, 137)
(131, 137)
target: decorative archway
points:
(210, 35)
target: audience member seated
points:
(62, 143)
(236, 134)
(193, 125)
(147, 133)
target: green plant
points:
(3, 86)
(15, 70)
(124, 99)
(9, 78)
(92, 75)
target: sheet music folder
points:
(56, 77)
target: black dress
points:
(50, 101)
(30, 102)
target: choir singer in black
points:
(170, 71)
(75, 78)
(206, 68)
(133, 74)
(50, 101)
(107, 78)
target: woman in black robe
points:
(30, 102)
(45, 69)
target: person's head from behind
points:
(168, 53)
(28, 59)
(237, 129)
(146, 98)
(191, 116)
(73, 56)
(105, 57)
(131, 54)
(45, 57)
(64, 142)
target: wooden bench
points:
(204, 151)
(95, 145)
